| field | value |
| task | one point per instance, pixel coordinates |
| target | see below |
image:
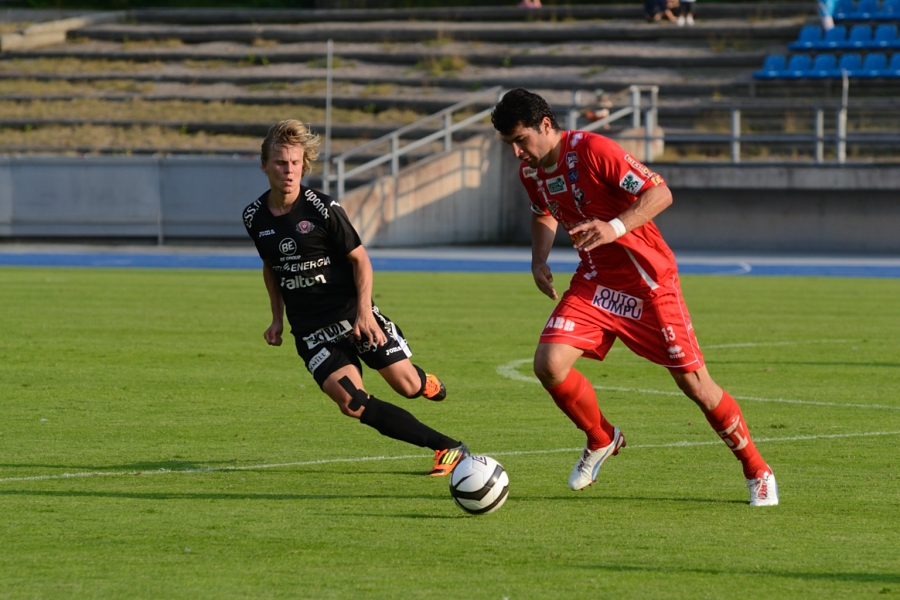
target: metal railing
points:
(448, 128)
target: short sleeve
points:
(617, 168)
(341, 232)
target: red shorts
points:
(658, 327)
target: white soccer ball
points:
(479, 485)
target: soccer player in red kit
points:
(625, 287)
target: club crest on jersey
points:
(631, 183)
(529, 172)
(573, 176)
(287, 246)
(637, 165)
(557, 185)
(305, 226)
(618, 303)
(577, 194)
(571, 159)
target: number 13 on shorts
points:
(668, 333)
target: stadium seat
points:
(890, 11)
(810, 35)
(865, 10)
(835, 37)
(886, 37)
(893, 69)
(860, 36)
(843, 10)
(852, 63)
(798, 67)
(824, 66)
(875, 65)
(772, 68)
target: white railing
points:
(448, 128)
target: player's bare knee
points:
(549, 372)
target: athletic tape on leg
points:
(357, 396)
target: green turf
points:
(114, 371)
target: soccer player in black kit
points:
(316, 269)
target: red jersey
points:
(596, 179)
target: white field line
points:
(307, 463)
(510, 370)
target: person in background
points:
(685, 13)
(655, 10)
(826, 11)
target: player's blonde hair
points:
(291, 133)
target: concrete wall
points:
(470, 195)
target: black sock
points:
(422, 376)
(394, 422)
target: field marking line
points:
(510, 371)
(324, 461)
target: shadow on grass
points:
(581, 497)
(210, 496)
(164, 465)
(881, 578)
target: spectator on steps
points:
(686, 13)
(826, 11)
(655, 10)
(530, 4)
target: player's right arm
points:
(543, 232)
(276, 302)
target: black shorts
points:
(333, 347)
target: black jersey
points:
(307, 248)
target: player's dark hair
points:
(521, 107)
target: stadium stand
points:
(867, 10)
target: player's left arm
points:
(649, 203)
(366, 326)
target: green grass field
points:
(208, 465)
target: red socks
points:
(575, 396)
(729, 423)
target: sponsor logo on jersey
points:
(557, 185)
(250, 212)
(618, 303)
(266, 232)
(329, 333)
(316, 361)
(631, 183)
(637, 165)
(573, 176)
(287, 246)
(313, 199)
(571, 159)
(675, 352)
(538, 210)
(576, 138)
(294, 283)
(393, 350)
(305, 226)
(306, 265)
(560, 323)
(577, 194)
(656, 179)
(529, 172)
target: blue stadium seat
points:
(875, 65)
(773, 67)
(886, 37)
(843, 10)
(810, 35)
(890, 11)
(860, 36)
(835, 37)
(823, 67)
(865, 10)
(798, 67)
(852, 63)
(893, 69)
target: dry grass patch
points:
(440, 66)
(13, 27)
(194, 111)
(30, 86)
(164, 43)
(65, 66)
(68, 139)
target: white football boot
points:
(763, 489)
(588, 466)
